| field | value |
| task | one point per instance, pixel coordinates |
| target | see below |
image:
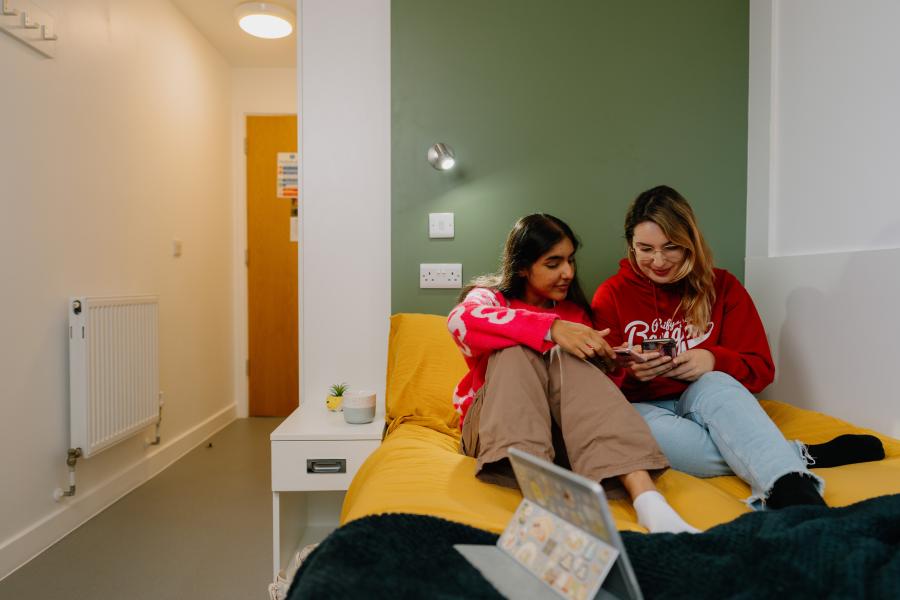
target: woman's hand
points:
(690, 365)
(656, 365)
(580, 340)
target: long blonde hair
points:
(668, 209)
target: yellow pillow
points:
(423, 368)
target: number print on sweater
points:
(497, 316)
(490, 310)
(457, 328)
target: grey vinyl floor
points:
(200, 529)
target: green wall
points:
(570, 108)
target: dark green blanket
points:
(801, 552)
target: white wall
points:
(253, 92)
(108, 153)
(837, 93)
(345, 202)
(823, 221)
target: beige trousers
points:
(530, 401)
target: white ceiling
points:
(215, 20)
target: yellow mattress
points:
(418, 468)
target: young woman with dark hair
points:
(525, 333)
(700, 404)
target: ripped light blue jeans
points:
(717, 427)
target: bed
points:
(418, 483)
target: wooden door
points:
(271, 272)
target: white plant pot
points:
(359, 406)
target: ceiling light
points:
(441, 157)
(265, 20)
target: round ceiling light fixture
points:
(265, 20)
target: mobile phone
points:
(625, 356)
(665, 346)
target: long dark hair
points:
(531, 237)
(669, 209)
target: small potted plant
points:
(335, 396)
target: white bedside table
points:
(314, 451)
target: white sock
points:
(654, 513)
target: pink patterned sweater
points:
(485, 322)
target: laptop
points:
(561, 542)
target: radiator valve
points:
(71, 458)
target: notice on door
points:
(288, 182)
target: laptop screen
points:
(569, 496)
(580, 502)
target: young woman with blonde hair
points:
(700, 404)
(525, 333)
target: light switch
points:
(440, 225)
(176, 248)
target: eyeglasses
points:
(670, 252)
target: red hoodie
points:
(635, 308)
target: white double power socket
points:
(440, 275)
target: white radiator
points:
(113, 369)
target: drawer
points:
(313, 465)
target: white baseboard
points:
(22, 547)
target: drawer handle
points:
(326, 465)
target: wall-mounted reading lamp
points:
(441, 157)
(265, 20)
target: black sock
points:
(846, 450)
(794, 489)
(499, 472)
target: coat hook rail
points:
(30, 24)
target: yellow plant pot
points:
(334, 403)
